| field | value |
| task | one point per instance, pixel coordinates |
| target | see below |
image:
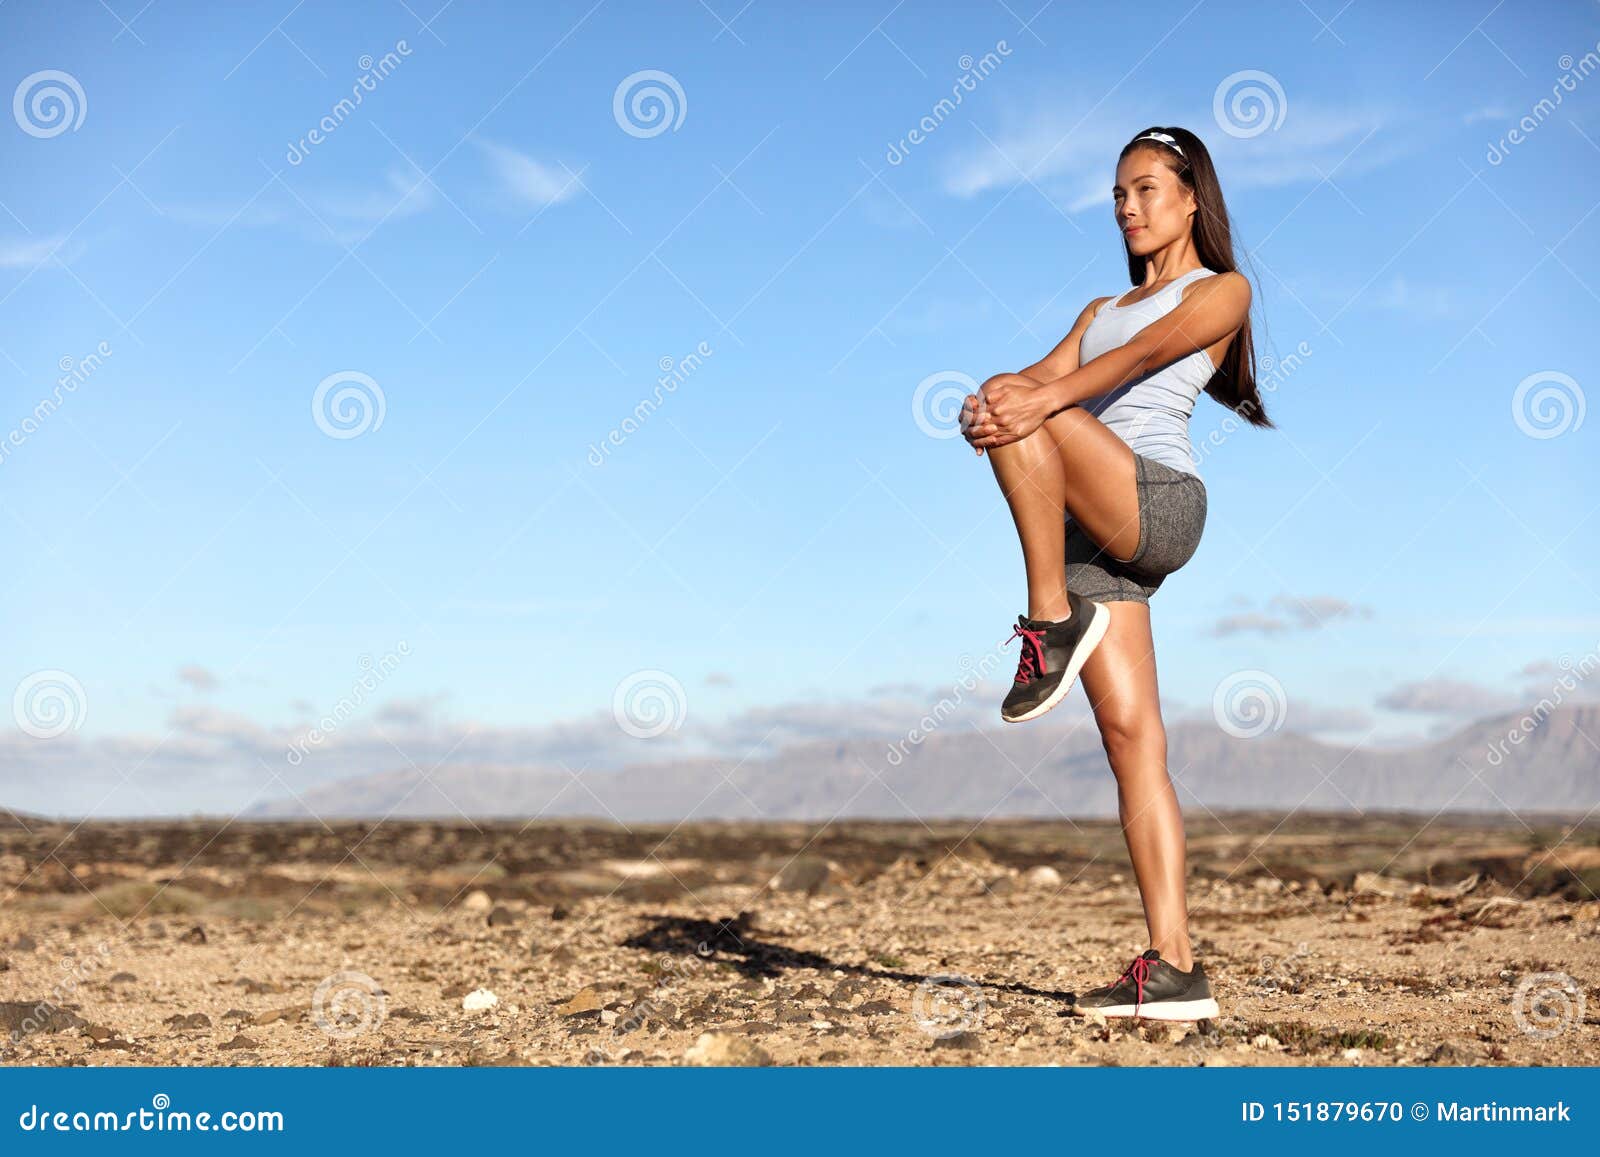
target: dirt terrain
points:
(1376, 940)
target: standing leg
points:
(1120, 680)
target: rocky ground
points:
(1330, 940)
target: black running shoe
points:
(1052, 656)
(1153, 989)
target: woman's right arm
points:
(1062, 360)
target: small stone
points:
(999, 886)
(808, 874)
(273, 1015)
(876, 1008)
(195, 935)
(1352, 1055)
(486, 1056)
(193, 1020)
(1263, 1041)
(24, 943)
(962, 1041)
(122, 978)
(847, 989)
(477, 902)
(586, 1000)
(560, 912)
(500, 916)
(18, 1018)
(723, 1049)
(1042, 876)
(240, 1042)
(478, 1000)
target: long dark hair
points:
(1234, 383)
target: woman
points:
(1090, 446)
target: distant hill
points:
(970, 773)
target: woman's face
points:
(1153, 208)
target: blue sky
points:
(489, 247)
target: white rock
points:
(1042, 876)
(477, 902)
(479, 999)
(726, 1049)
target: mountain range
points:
(1552, 765)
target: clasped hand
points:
(1006, 408)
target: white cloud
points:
(343, 216)
(1072, 156)
(28, 252)
(528, 180)
(1451, 697)
(198, 677)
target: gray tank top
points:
(1150, 414)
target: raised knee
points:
(1074, 417)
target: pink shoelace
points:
(1138, 972)
(1031, 663)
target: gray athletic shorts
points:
(1172, 513)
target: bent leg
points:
(1072, 464)
(1120, 680)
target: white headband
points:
(1164, 139)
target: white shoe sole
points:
(1161, 1010)
(1099, 621)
